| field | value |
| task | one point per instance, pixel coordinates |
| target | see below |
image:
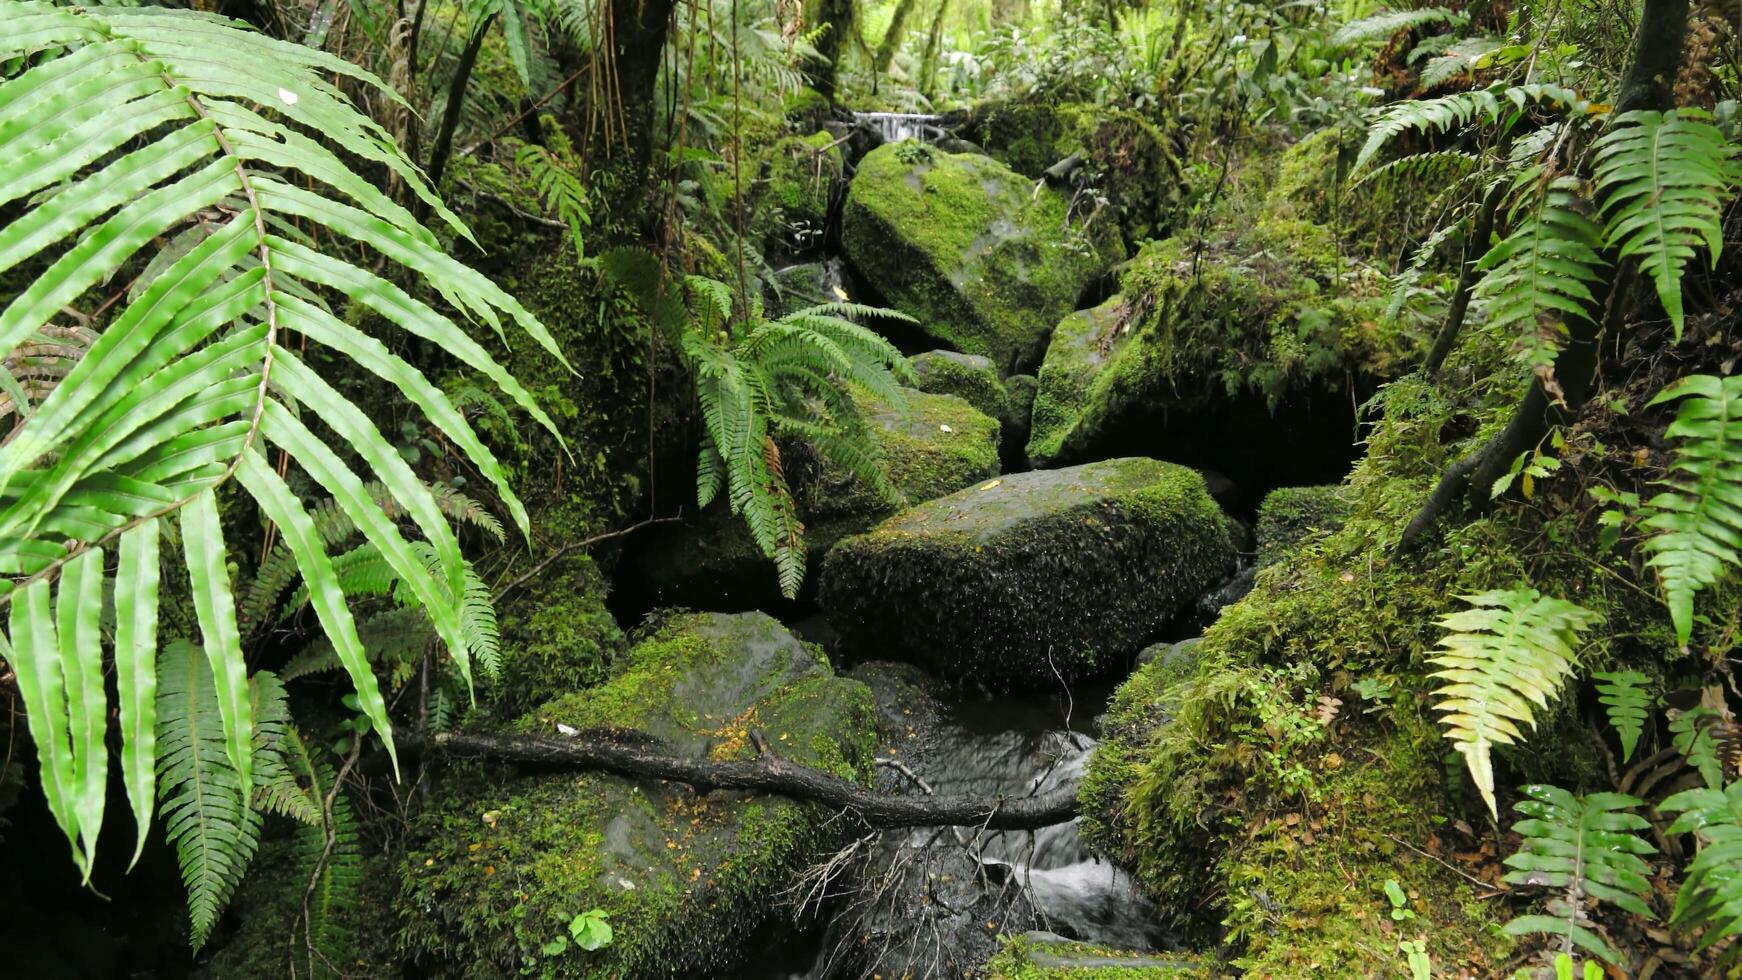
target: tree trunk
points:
(638, 30)
(837, 17)
(624, 754)
(891, 39)
(1657, 53)
(444, 140)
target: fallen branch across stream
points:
(767, 774)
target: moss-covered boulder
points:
(1044, 956)
(502, 865)
(970, 377)
(1137, 167)
(1013, 579)
(1256, 339)
(1289, 516)
(800, 177)
(985, 261)
(941, 445)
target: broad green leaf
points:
(78, 610)
(37, 668)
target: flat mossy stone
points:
(971, 377)
(1045, 956)
(985, 260)
(1289, 516)
(502, 864)
(939, 446)
(1017, 581)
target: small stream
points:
(1045, 879)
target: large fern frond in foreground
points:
(1586, 848)
(1696, 522)
(1709, 902)
(130, 126)
(1664, 179)
(1509, 652)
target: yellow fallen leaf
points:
(990, 484)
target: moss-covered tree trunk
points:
(638, 30)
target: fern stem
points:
(1478, 247)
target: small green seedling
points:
(1399, 901)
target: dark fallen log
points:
(769, 774)
(1061, 171)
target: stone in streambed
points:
(941, 445)
(985, 260)
(505, 861)
(1017, 581)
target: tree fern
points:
(1709, 901)
(1542, 271)
(1696, 521)
(758, 381)
(1627, 703)
(1511, 650)
(141, 125)
(1664, 178)
(1584, 847)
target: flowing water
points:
(894, 127)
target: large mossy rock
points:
(555, 637)
(970, 377)
(503, 864)
(985, 261)
(1137, 168)
(1011, 580)
(1253, 342)
(941, 445)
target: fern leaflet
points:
(1542, 271)
(1664, 179)
(1627, 702)
(1511, 650)
(1581, 846)
(1709, 901)
(1696, 521)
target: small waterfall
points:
(894, 127)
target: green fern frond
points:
(1696, 521)
(1456, 60)
(1691, 735)
(561, 190)
(1709, 901)
(391, 636)
(205, 810)
(1664, 178)
(1446, 112)
(1511, 650)
(1627, 703)
(168, 126)
(1382, 26)
(1583, 847)
(1542, 272)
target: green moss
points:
(1268, 312)
(499, 867)
(970, 377)
(557, 636)
(1136, 171)
(1008, 581)
(1040, 957)
(806, 109)
(987, 263)
(1374, 219)
(799, 179)
(1290, 515)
